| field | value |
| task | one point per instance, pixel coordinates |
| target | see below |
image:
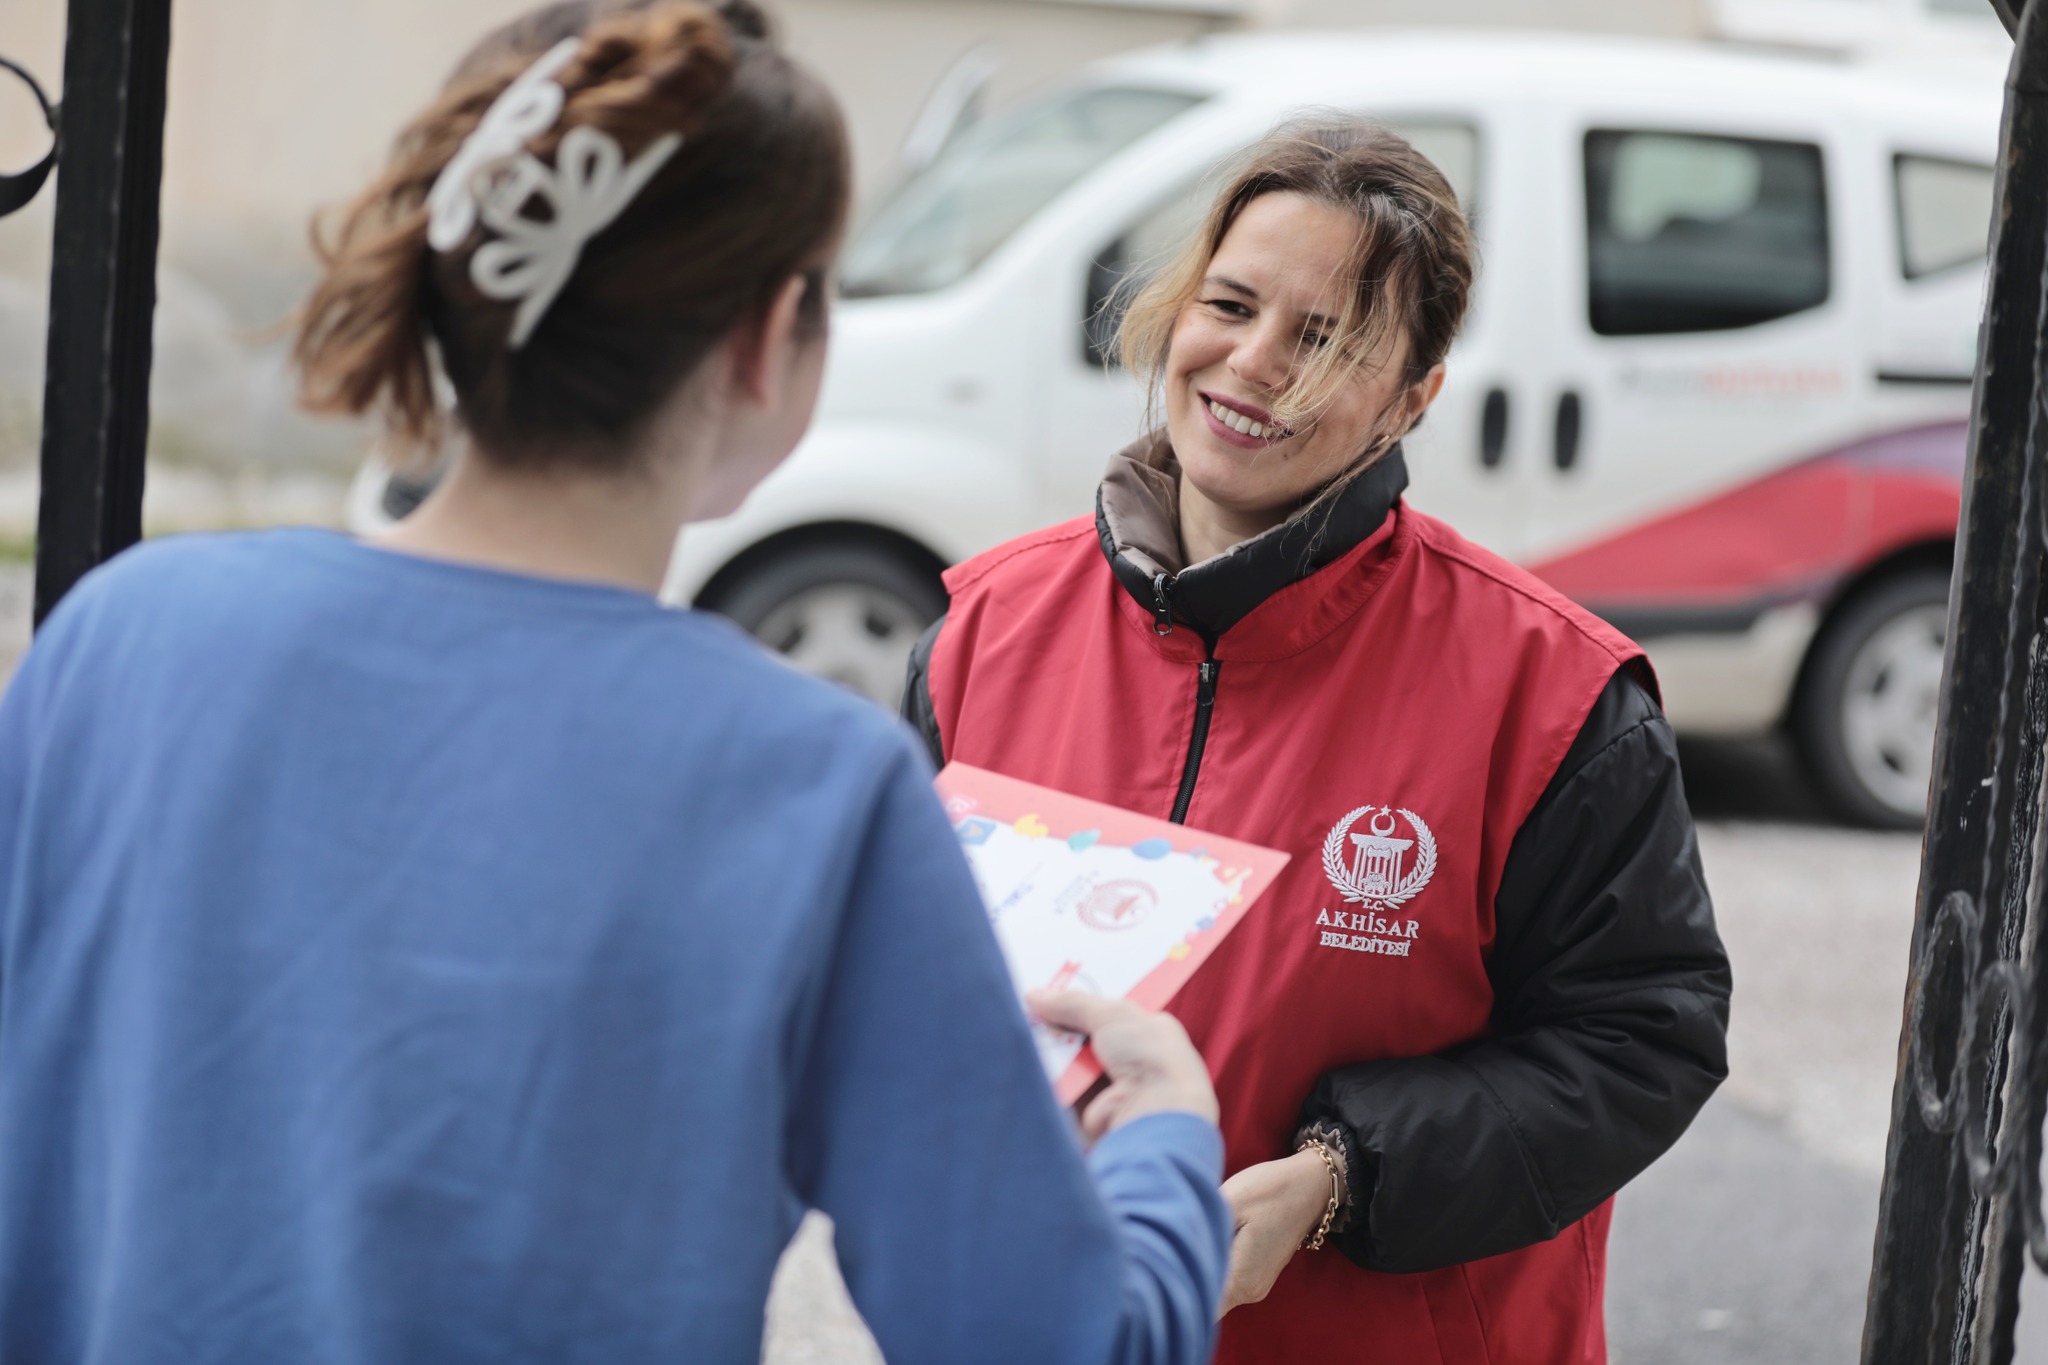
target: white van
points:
(1714, 386)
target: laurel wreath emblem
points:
(1405, 889)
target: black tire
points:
(1866, 703)
(874, 600)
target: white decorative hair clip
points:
(493, 177)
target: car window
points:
(1121, 268)
(1944, 213)
(1692, 233)
(1454, 147)
(947, 219)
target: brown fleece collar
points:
(1137, 516)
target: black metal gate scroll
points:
(1961, 1207)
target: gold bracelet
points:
(1314, 1242)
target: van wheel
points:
(1864, 720)
(843, 610)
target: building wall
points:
(1924, 29)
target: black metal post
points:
(102, 288)
(1962, 1193)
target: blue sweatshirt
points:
(402, 961)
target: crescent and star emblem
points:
(1384, 870)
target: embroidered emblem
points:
(1380, 874)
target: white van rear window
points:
(1944, 213)
(1692, 233)
(947, 219)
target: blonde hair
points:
(1410, 269)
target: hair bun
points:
(745, 18)
(756, 197)
(645, 71)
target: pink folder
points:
(1091, 895)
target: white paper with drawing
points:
(1097, 898)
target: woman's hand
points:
(1276, 1204)
(1151, 1066)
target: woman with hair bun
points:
(431, 949)
(1487, 990)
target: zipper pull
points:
(1162, 609)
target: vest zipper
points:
(1162, 604)
(1198, 740)
(1205, 693)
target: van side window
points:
(1691, 233)
(1120, 269)
(1944, 213)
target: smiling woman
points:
(1486, 992)
(1274, 296)
(1310, 320)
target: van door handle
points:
(1493, 429)
(1571, 417)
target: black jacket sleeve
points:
(1609, 1029)
(917, 693)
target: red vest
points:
(1388, 721)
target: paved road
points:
(1750, 1242)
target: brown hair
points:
(756, 194)
(1410, 270)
